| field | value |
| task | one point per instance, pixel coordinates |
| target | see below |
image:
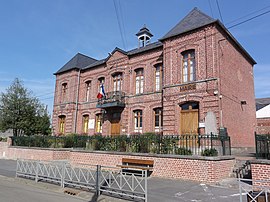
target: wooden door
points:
(115, 123)
(115, 127)
(189, 118)
(189, 122)
(189, 125)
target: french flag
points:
(101, 93)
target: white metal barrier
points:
(254, 190)
(112, 180)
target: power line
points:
(247, 15)
(248, 19)
(119, 24)
(122, 20)
(210, 8)
(219, 11)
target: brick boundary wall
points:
(204, 169)
(260, 171)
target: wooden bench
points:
(139, 164)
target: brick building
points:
(263, 115)
(196, 79)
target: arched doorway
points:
(189, 118)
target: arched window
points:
(139, 81)
(158, 119)
(87, 90)
(188, 66)
(62, 123)
(64, 92)
(117, 82)
(138, 120)
(85, 123)
(99, 121)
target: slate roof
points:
(145, 48)
(193, 20)
(97, 63)
(144, 30)
(79, 61)
(261, 103)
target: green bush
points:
(210, 152)
(3, 139)
(183, 151)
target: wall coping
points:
(41, 148)
(202, 158)
(260, 161)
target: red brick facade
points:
(263, 126)
(260, 170)
(223, 85)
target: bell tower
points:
(144, 36)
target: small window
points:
(117, 82)
(139, 81)
(87, 89)
(85, 123)
(158, 119)
(190, 105)
(64, 92)
(158, 78)
(99, 121)
(138, 121)
(62, 123)
(188, 66)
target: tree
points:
(22, 112)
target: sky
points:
(38, 37)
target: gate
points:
(93, 177)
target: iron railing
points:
(112, 99)
(262, 146)
(208, 145)
(112, 180)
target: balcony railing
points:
(112, 99)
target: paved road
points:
(159, 190)
(12, 190)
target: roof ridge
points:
(85, 56)
(193, 20)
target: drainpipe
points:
(77, 99)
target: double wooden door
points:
(115, 124)
(189, 119)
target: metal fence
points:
(101, 179)
(147, 143)
(262, 146)
(254, 190)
